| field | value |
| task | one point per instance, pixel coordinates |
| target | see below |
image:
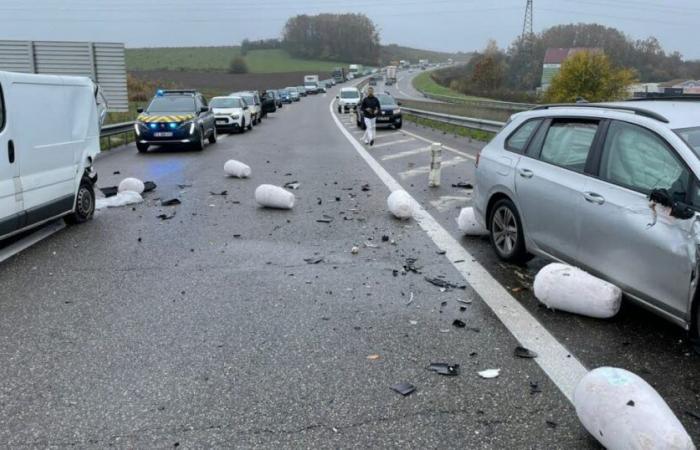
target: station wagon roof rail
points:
(632, 109)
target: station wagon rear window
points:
(517, 141)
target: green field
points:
(425, 84)
(219, 58)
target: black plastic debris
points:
(337, 199)
(319, 201)
(444, 284)
(463, 186)
(324, 220)
(292, 185)
(551, 424)
(450, 370)
(365, 187)
(183, 186)
(630, 403)
(109, 191)
(535, 388)
(522, 352)
(441, 252)
(315, 260)
(404, 388)
(165, 216)
(385, 238)
(236, 236)
(693, 414)
(116, 172)
(170, 202)
(410, 266)
(462, 308)
(223, 193)
(149, 186)
(459, 324)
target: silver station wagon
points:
(611, 188)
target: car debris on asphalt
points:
(404, 388)
(450, 370)
(275, 197)
(294, 185)
(170, 202)
(490, 373)
(439, 282)
(566, 288)
(314, 260)
(522, 352)
(121, 199)
(222, 193)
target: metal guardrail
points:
(108, 131)
(491, 104)
(491, 126)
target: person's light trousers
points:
(370, 130)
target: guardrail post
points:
(435, 164)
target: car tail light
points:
(478, 157)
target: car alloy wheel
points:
(504, 228)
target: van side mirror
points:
(139, 110)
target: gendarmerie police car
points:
(175, 117)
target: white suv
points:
(612, 188)
(232, 114)
(348, 99)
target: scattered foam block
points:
(570, 289)
(467, 224)
(236, 169)
(623, 412)
(121, 199)
(271, 196)
(131, 184)
(401, 205)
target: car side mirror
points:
(139, 110)
(204, 109)
(399, 103)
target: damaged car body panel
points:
(613, 191)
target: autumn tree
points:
(591, 76)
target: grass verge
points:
(456, 130)
(424, 83)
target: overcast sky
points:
(450, 25)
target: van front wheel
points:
(84, 204)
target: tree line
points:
(332, 37)
(514, 73)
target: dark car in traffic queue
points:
(276, 95)
(269, 104)
(284, 96)
(390, 114)
(175, 117)
(302, 91)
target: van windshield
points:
(171, 104)
(691, 136)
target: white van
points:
(49, 137)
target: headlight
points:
(235, 116)
(137, 130)
(192, 127)
(397, 111)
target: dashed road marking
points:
(444, 147)
(424, 170)
(400, 141)
(562, 367)
(406, 153)
(447, 202)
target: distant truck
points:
(423, 63)
(390, 75)
(311, 84)
(404, 64)
(355, 70)
(339, 75)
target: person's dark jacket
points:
(370, 107)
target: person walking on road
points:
(370, 109)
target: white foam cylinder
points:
(400, 204)
(121, 199)
(467, 224)
(131, 184)
(236, 169)
(271, 196)
(570, 289)
(622, 411)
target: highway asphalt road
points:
(403, 88)
(211, 330)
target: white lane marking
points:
(560, 365)
(400, 141)
(24, 243)
(447, 202)
(406, 153)
(444, 147)
(424, 170)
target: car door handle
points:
(592, 197)
(526, 173)
(11, 151)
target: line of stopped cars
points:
(185, 117)
(390, 115)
